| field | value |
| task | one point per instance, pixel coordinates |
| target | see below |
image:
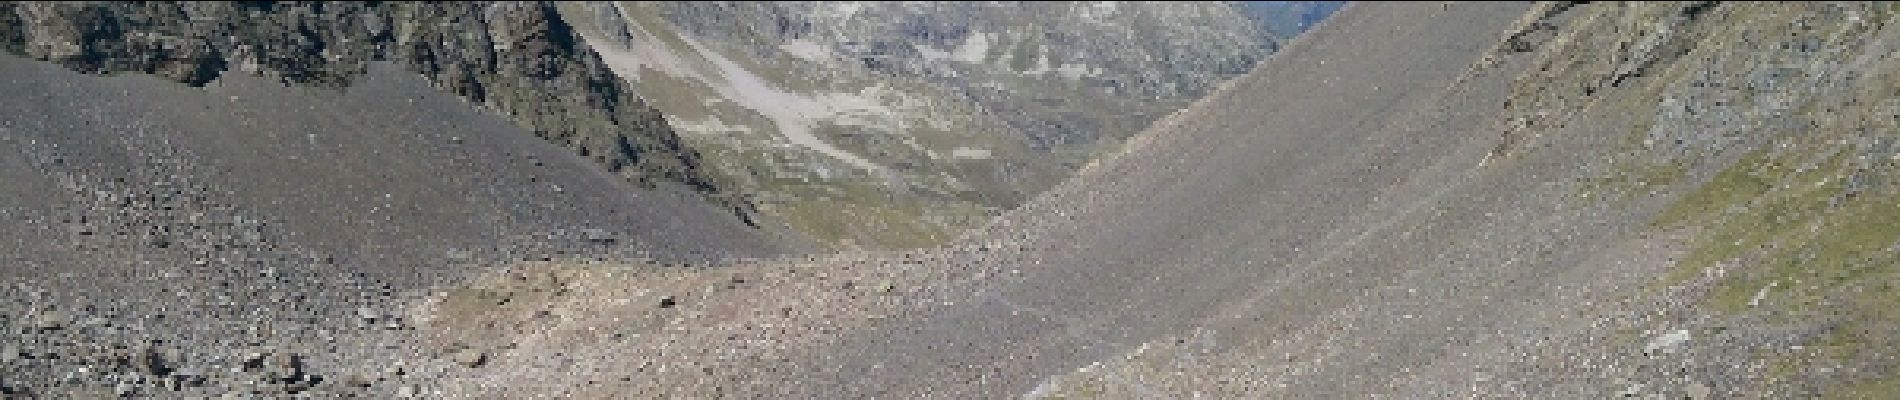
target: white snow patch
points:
(792, 113)
(1667, 343)
(806, 50)
(1076, 71)
(974, 48)
(708, 126)
(930, 53)
(643, 50)
(843, 10)
(970, 153)
(1097, 12)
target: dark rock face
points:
(516, 58)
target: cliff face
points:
(516, 58)
(923, 118)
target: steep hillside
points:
(1524, 209)
(518, 59)
(886, 125)
(265, 199)
(160, 236)
(1413, 200)
(1704, 209)
(924, 118)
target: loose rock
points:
(470, 358)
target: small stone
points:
(254, 360)
(470, 358)
(1699, 391)
(1667, 343)
(598, 236)
(357, 380)
(368, 314)
(50, 320)
(291, 365)
(153, 362)
(406, 391)
(668, 302)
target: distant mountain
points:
(1287, 19)
(884, 124)
(876, 125)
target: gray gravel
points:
(252, 238)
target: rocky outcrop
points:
(515, 58)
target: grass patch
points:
(1733, 186)
(1876, 390)
(1630, 179)
(864, 216)
(1024, 54)
(1758, 203)
(1808, 247)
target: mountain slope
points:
(1490, 220)
(200, 225)
(1203, 212)
(517, 59)
(800, 111)
(1697, 208)
(918, 120)
(1416, 200)
(270, 226)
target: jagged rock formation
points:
(922, 118)
(517, 58)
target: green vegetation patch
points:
(1807, 249)
(1632, 178)
(1024, 54)
(863, 215)
(1882, 389)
